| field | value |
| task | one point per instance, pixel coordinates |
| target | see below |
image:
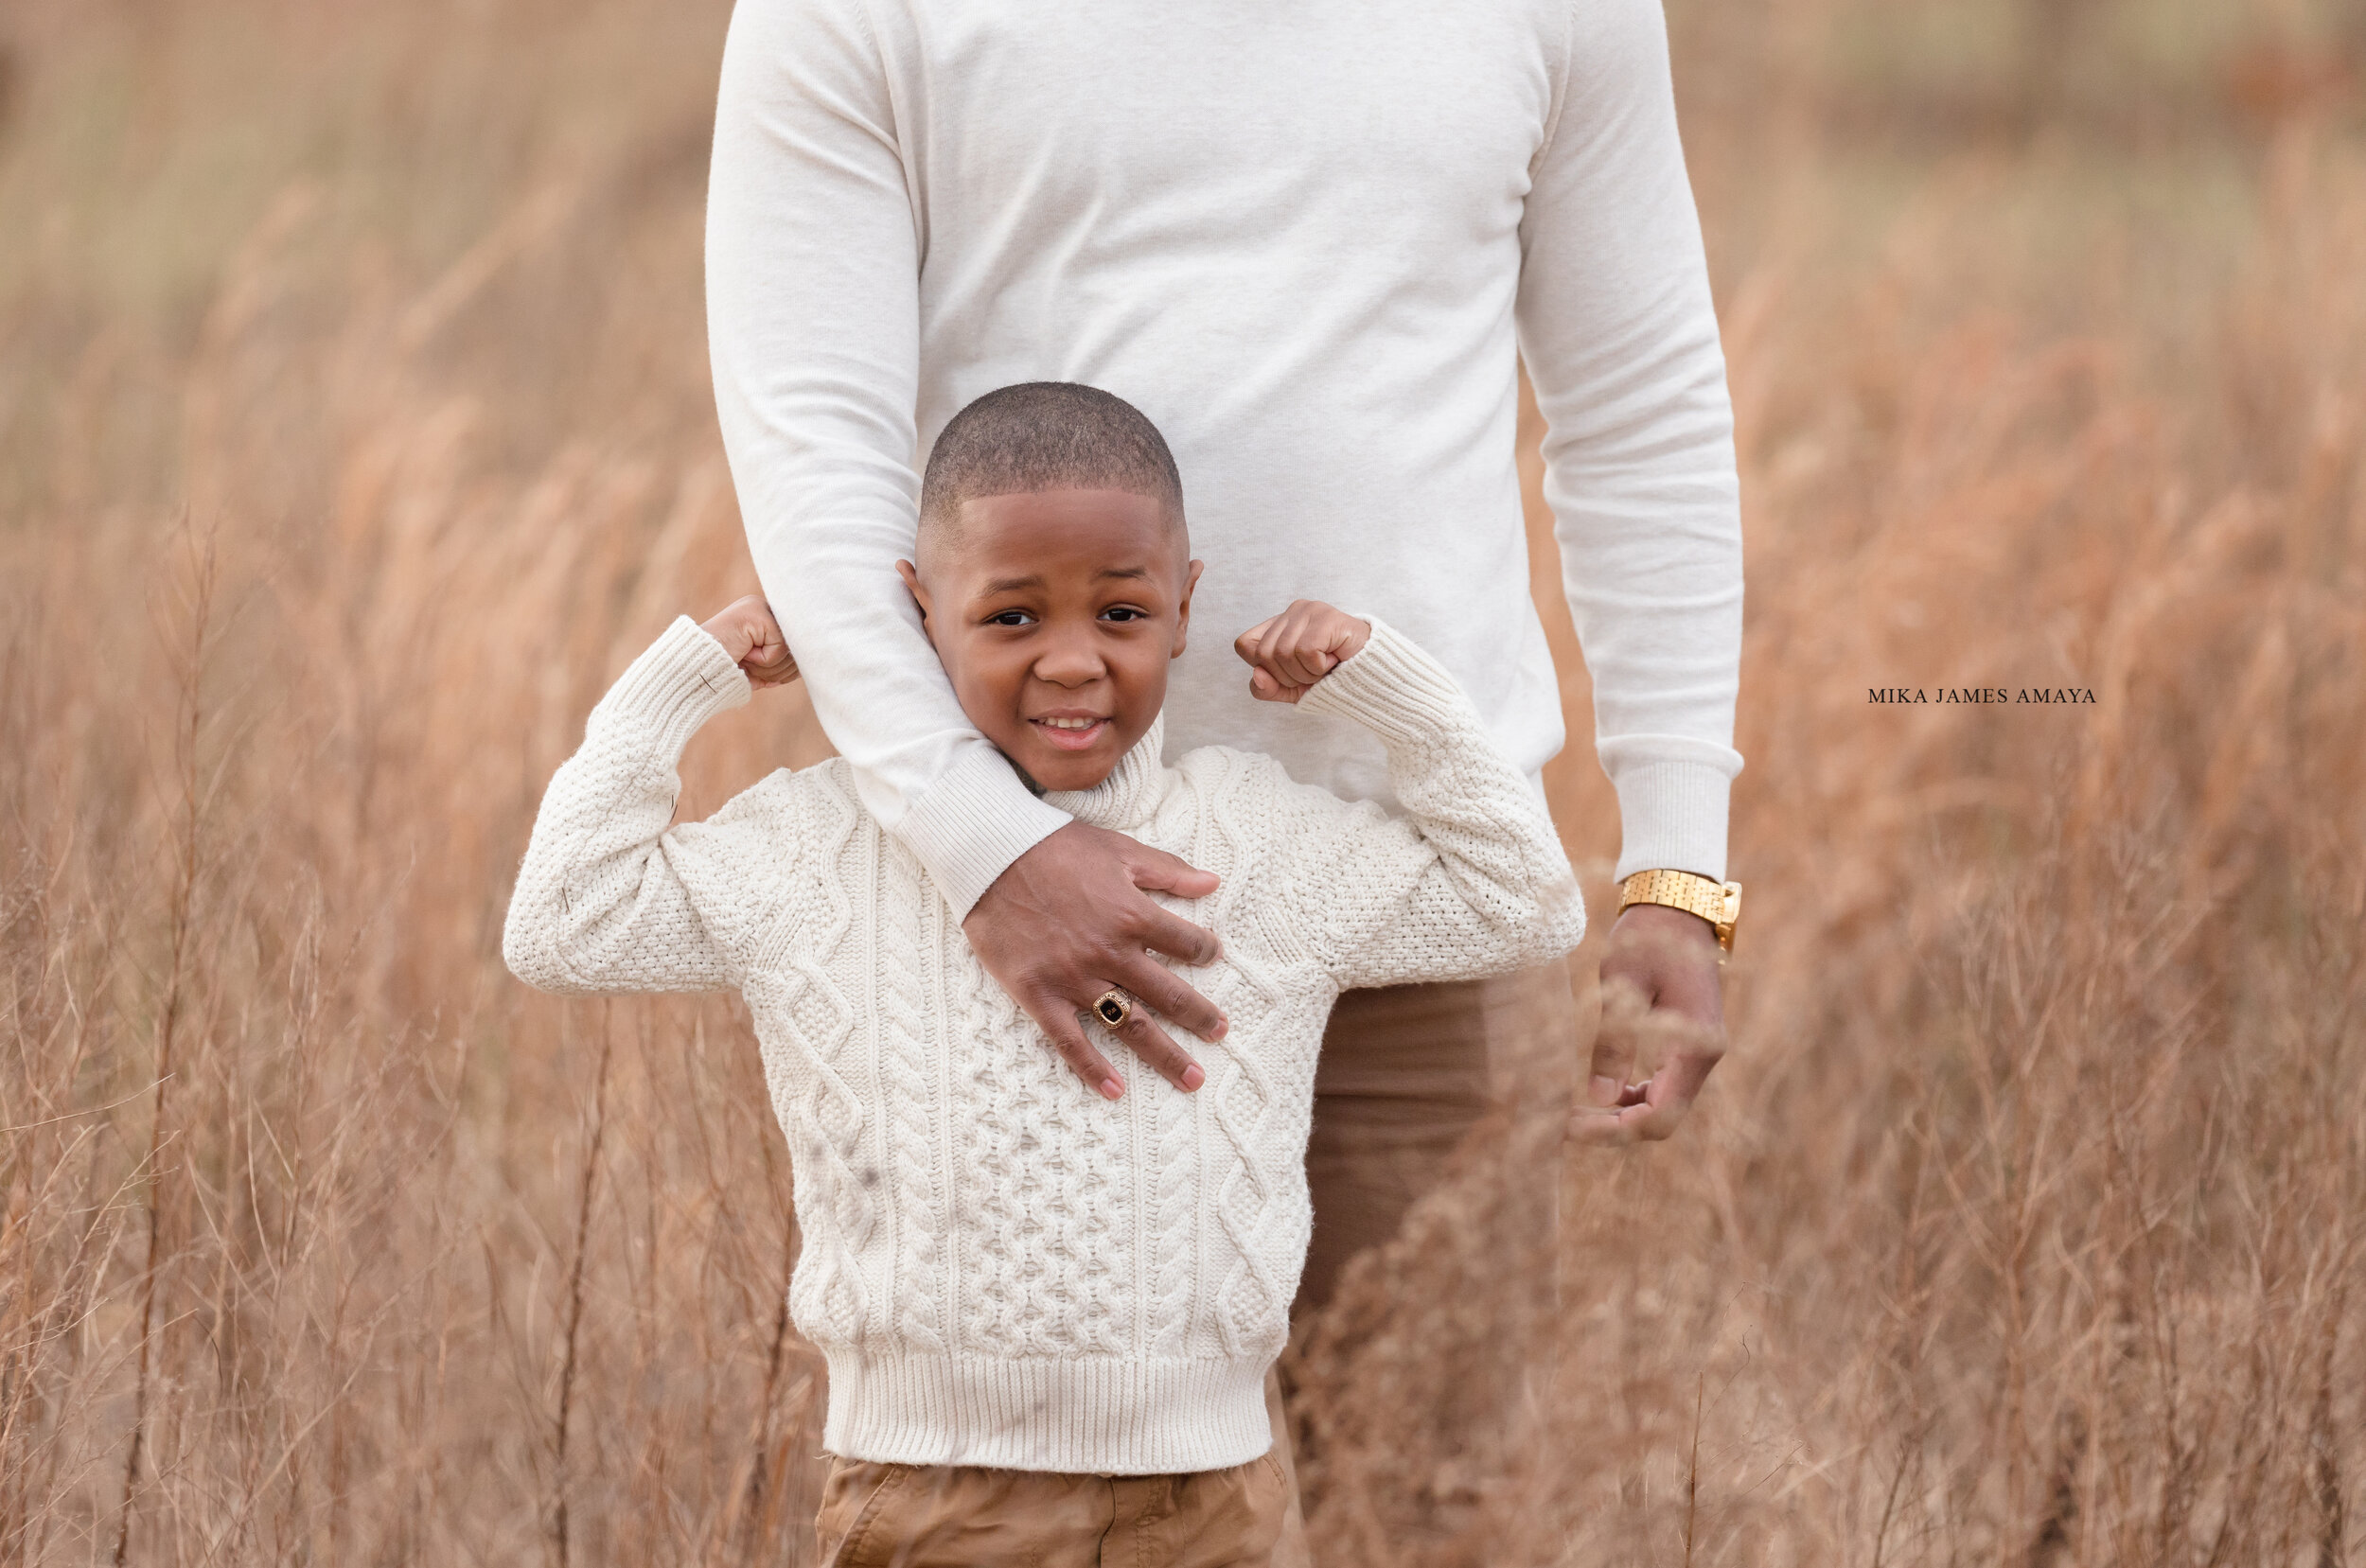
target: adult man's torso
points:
(1290, 235)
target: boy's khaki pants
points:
(958, 1516)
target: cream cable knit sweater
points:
(1000, 1267)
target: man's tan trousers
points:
(1407, 1071)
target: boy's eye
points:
(1124, 612)
(1009, 618)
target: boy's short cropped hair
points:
(1047, 435)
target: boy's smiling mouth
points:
(1072, 732)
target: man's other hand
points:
(1661, 1006)
(1068, 920)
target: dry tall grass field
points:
(353, 431)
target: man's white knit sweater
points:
(1002, 1268)
(1311, 241)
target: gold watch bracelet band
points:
(1719, 902)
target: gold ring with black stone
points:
(1113, 1007)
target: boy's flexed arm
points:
(605, 900)
(1471, 879)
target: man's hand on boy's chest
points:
(1071, 919)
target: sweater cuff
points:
(1671, 816)
(973, 822)
(684, 679)
(1391, 688)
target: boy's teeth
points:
(1071, 723)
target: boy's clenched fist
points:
(1291, 651)
(752, 638)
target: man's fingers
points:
(1145, 1039)
(1644, 1113)
(1598, 1128)
(1654, 1120)
(1162, 931)
(1609, 1072)
(1070, 916)
(1058, 1022)
(1623, 1008)
(1684, 1077)
(1171, 996)
(1157, 872)
(1645, 1123)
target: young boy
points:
(1048, 1310)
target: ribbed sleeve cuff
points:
(973, 822)
(1391, 688)
(1671, 816)
(682, 681)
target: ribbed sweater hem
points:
(1087, 1415)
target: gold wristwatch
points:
(1719, 902)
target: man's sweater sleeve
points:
(1470, 880)
(1619, 335)
(813, 329)
(606, 898)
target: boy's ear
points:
(920, 597)
(1183, 608)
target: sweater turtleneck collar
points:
(1128, 796)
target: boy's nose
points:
(1070, 661)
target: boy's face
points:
(1055, 613)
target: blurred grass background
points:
(355, 428)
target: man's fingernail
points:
(1111, 1088)
(1193, 1077)
(1605, 1090)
